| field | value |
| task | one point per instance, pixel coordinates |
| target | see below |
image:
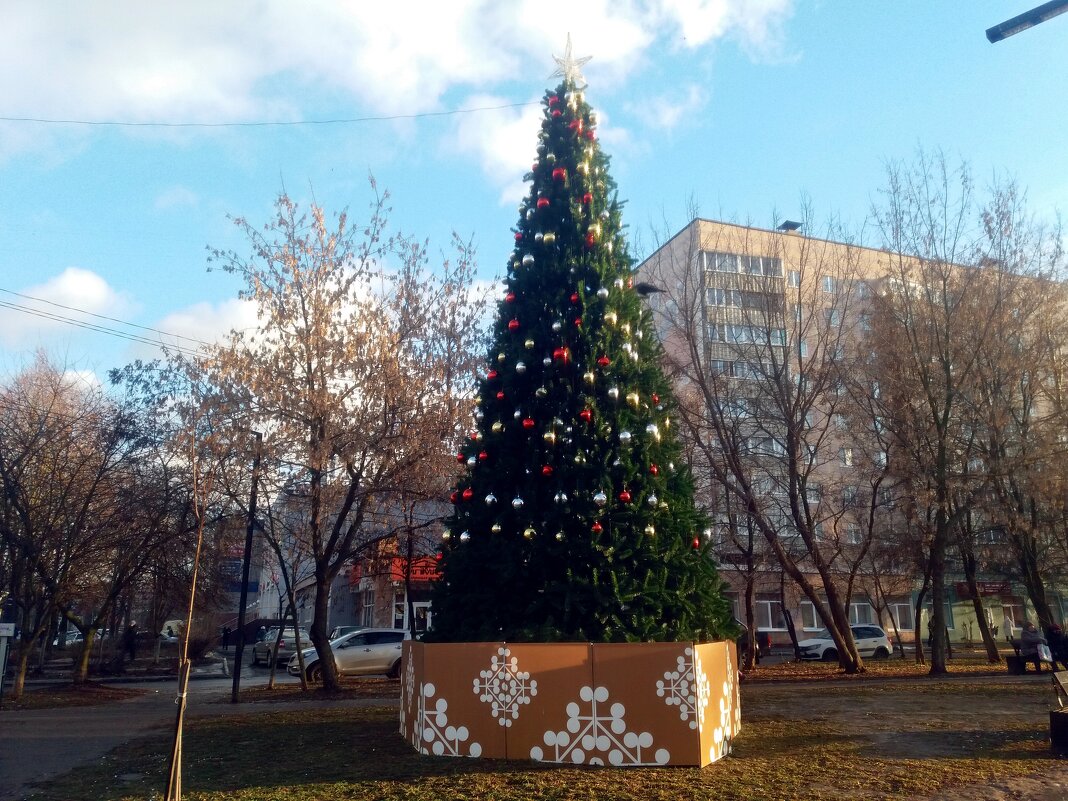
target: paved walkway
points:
(39, 744)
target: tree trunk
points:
(938, 595)
(992, 655)
(319, 633)
(790, 629)
(750, 622)
(80, 674)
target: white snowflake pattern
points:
(730, 714)
(591, 738)
(504, 687)
(433, 734)
(687, 688)
(407, 691)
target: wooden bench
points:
(1060, 687)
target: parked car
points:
(74, 637)
(743, 640)
(261, 651)
(871, 641)
(358, 653)
(341, 631)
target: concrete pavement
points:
(39, 744)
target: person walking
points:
(129, 641)
(226, 638)
(1006, 625)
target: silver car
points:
(261, 651)
(359, 653)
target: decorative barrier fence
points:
(624, 704)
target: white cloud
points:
(197, 61)
(176, 197)
(206, 322)
(37, 322)
(503, 141)
(666, 112)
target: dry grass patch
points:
(373, 687)
(823, 742)
(63, 695)
(874, 669)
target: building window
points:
(795, 278)
(400, 606)
(367, 613)
(853, 535)
(833, 318)
(830, 284)
(810, 619)
(769, 615)
(849, 496)
(1013, 609)
(901, 612)
(845, 456)
(861, 614)
(734, 263)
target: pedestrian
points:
(261, 634)
(1006, 626)
(1058, 646)
(226, 637)
(129, 641)
(1030, 639)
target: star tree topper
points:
(569, 68)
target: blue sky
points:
(743, 106)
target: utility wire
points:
(105, 317)
(267, 123)
(99, 328)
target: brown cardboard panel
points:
(645, 693)
(572, 703)
(450, 719)
(548, 676)
(412, 660)
(722, 714)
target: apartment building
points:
(764, 329)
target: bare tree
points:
(358, 371)
(946, 303)
(759, 329)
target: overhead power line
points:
(105, 317)
(267, 123)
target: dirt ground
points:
(931, 720)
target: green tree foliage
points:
(575, 519)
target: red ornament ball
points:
(491, 375)
(696, 544)
(590, 240)
(586, 415)
(543, 202)
(575, 125)
(603, 361)
(468, 493)
(574, 298)
(453, 496)
(513, 324)
(654, 469)
(528, 423)
(578, 322)
(624, 496)
(483, 456)
(596, 528)
(553, 100)
(656, 398)
(559, 174)
(590, 134)
(557, 112)
(518, 236)
(439, 555)
(500, 395)
(587, 198)
(510, 297)
(459, 457)
(546, 470)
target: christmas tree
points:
(575, 519)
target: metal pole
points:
(239, 648)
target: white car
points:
(358, 653)
(871, 641)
